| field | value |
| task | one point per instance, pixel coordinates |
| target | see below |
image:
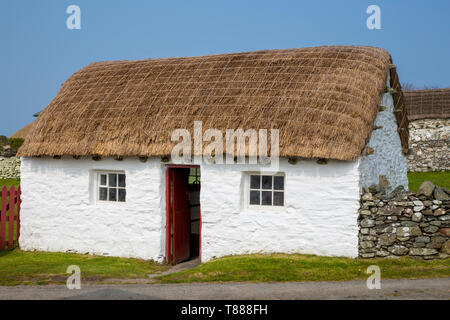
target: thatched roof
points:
(323, 100)
(23, 133)
(423, 104)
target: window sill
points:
(259, 209)
(109, 203)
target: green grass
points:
(297, 267)
(9, 182)
(440, 178)
(21, 267)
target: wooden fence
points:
(9, 217)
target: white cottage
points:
(98, 176)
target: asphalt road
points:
(390, 289)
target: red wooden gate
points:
(9, 217)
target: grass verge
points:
(297, 267)
(38, 268)
(23, 267)
(9, 182)
(440, 178)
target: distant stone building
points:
(429, 129)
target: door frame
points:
(168, 218)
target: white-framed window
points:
(266, 190)
(111, 186)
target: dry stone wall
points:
(429, 145)
(405, 224)
(9, 168)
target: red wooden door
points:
(181, 215)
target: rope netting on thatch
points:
(399, 110)
(323, 100)
(422, 104)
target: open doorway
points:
(183, 215)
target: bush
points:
(3, 141)
(15, 143)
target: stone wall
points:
(9, 168)
(428, 142)
(405, 224)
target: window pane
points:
(122, 194)
(103, 179)
(266, 198)
(254, 197)
(122, 180)
(278, 183)
(278, 198)
(112, 180)
(267, 182)
(112, 194)
(255, 182)
(103, 194)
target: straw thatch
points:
(423, 104)
(323, 100)
(24, 132)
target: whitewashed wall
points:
(387, 158)
(59, 212)
(319, 217)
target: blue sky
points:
(38, 53)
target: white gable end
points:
(387, 158)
